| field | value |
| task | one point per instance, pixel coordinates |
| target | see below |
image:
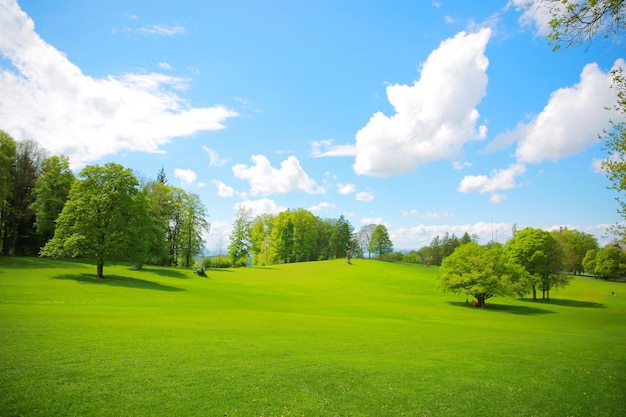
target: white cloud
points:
(534, 13)
(497, 198)
(86, 118)
(214, 158)
(427, 215)
(373, 220)
(502, 179)
(262, 206)
(422, 235)
(322, 206)
(365, 196)
(158, 29)
(345, 189)
(186, 176)
(266, 180)
(435, 116)
(223, 190)
(570, 121)
(461, 165)
(165, 66)
(322, 148)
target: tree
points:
(7, 158)
(381, 243)
(261, 239)
(19, 218)
(52, 188)
(482, 272)
(341, 237)
(610, 263)
(576, 22)
(539, 253)
(574, 246)
(105, 218)
(193, 226)
(364, 237)
(240, 237)
(589, 261)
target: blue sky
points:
(426, 116)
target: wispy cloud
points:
(60, 106)
(326, 148)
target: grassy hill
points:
(313, 339)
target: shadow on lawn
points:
(504, 308)
(170, 273)
(565, 303)
(118, 281)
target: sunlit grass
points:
(314, 339)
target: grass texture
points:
(313, 339)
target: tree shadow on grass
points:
(504, 308)
(565, 303)
(170, 273)
(118, 281)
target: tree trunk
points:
(100, 269)
(534, 293)
(481, 300)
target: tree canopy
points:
(381, 243)
(540, 254)
(105, 218)
(482, 272)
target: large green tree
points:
(482, 272)
(381, 243)
(574, 246)
(240, 237)
(261, 239)
(193, 227)
(608, 262)
(540, 254)
(105, 218)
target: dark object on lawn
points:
(200, 272)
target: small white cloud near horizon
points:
(326, 148)
(266, 180)
(365, 196)
(260, 207)
(85, 118)
(435, 116)
(186, 176)
(324, 205)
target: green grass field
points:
(312, 339)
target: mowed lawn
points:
(312, 339)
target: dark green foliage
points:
(105, 218)
(541, 255)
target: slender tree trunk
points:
(534, 292)
(100, 269)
